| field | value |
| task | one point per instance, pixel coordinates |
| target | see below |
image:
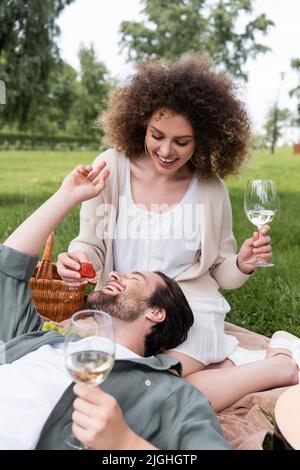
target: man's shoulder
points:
(158, 363)
(163, 371)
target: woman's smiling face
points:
(170, 140)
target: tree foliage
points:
(28, 53)
(296, 91)
(74, 100)
(51, 114)
(219, 28)
(276, 120)
(93, 89)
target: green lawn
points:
(269, 301)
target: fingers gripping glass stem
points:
(259, 262)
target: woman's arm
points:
(231, 270)
(94, 216)
(225, 270)
(90, 244)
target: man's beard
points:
(119, 306)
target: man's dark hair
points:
(179, 317)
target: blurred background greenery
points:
(51, 105)
(269, 301)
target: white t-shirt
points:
(30, 389)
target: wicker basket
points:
(53, 299)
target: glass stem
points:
(259, 228)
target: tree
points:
(28, 53)
(172, 28)
(53, 113)
(93, 90)
(277, 119)
(296, 91)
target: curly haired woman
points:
(176, 129)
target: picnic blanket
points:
(246, 423)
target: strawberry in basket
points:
(87, 270)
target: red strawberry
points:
(87, 270)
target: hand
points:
(84, 182)
(68, 265)
(259, 246)
(98, 421)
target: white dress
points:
(170, 242)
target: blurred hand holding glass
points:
(261, 205)
(89, 354)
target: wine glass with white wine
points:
(89, 354)
(261, 206)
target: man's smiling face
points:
(124, 296)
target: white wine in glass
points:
(91, 367)
(89, 354)
(261, 206)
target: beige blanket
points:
(245, 423)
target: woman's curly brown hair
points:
(191, 88)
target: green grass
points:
(269, 301)
(27, 179)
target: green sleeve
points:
(197, 428)
(17, 311)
